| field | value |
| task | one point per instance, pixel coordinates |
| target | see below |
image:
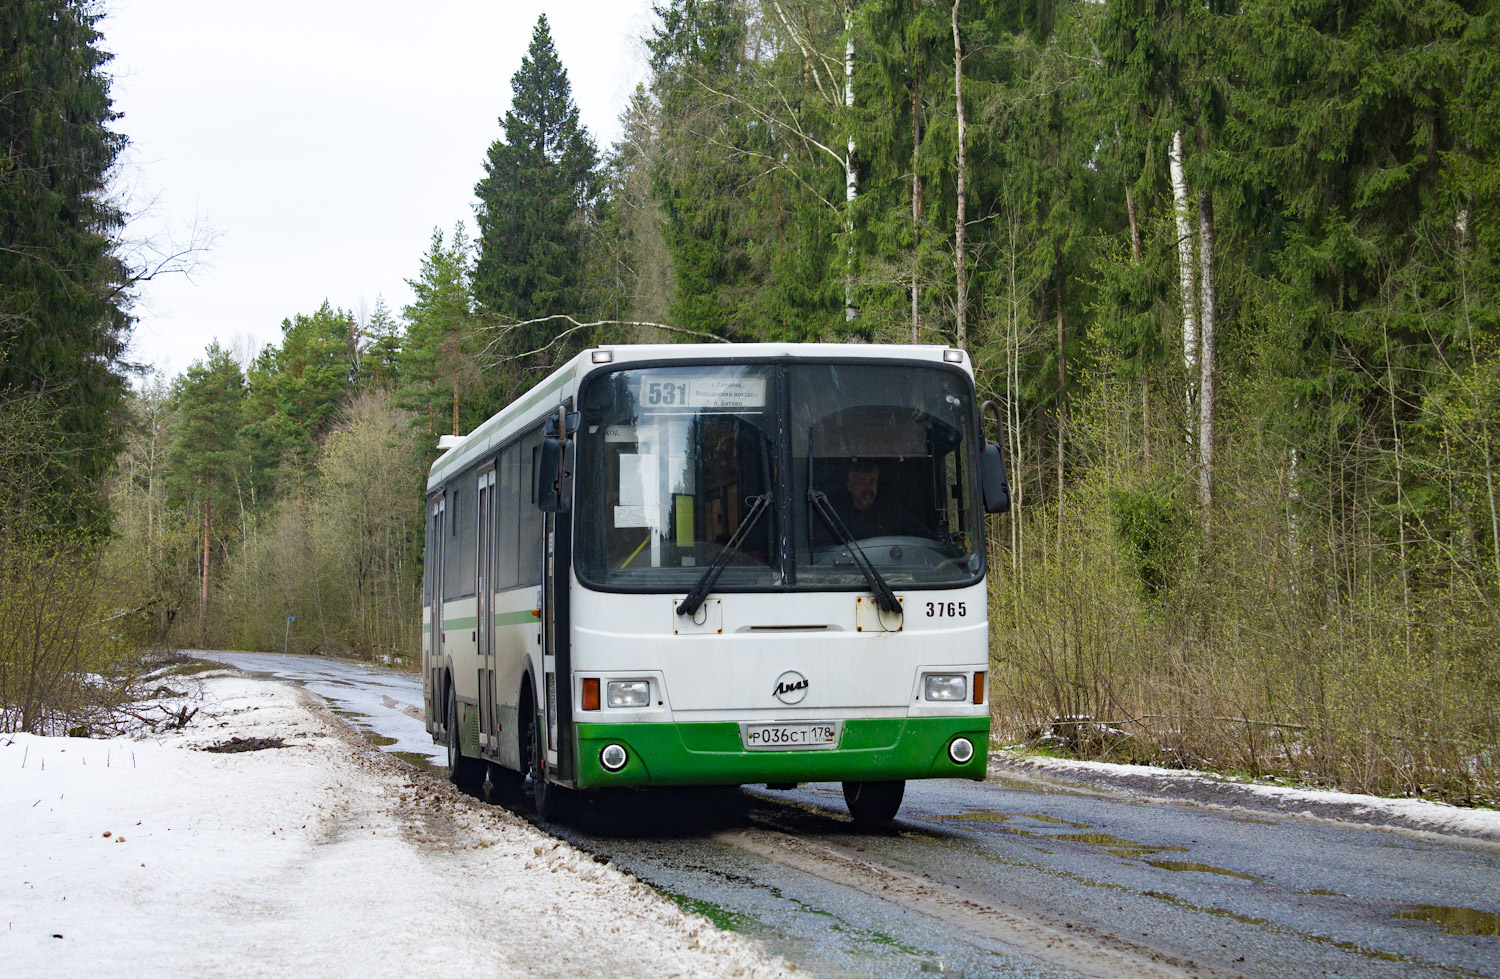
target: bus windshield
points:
(673, 460)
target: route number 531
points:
(947, 610)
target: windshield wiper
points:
(878, 585)
(705, 584)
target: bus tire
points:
(463, 771)
(873, 803)
(550, 801)
(506, 782)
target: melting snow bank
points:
(1227, 791)
(298, 849)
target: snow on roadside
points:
(1207, 788)
(142, 857)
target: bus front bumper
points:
(712, 753)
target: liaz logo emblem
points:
(791, 687)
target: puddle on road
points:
(976, 816)
(379, 740)
(1275, 928)
(1201, 868)
(1117, 846)
(1455, 921)
(416, 760)
(1178, 902)
(1053, 819)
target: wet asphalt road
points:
(1021, 875)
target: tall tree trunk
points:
(1180, 210)
(203, 593)
(851, 178)
(916, 204)
(961, 306)
(455, 410)
(1462, 225)
(1206, 348)
(1390, 378)
(1135, 228)
(1062, 407)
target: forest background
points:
(1230, 271)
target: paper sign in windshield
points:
(719, 393)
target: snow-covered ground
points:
(321, 857)
(1209, 789)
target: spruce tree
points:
(63, 318)
(536, 199)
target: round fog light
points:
(960, 750)
(613, 757)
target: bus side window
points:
(529, 555)
(428, 545)
(466, 521)
(511, 505)
(452, 587)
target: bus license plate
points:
(792, 735)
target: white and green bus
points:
(675, 565)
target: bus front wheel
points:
(551, 800)
(873, 803)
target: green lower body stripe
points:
(869, 750)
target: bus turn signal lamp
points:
(979, 687)
(591, 693)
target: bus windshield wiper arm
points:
(878, 585)
(705, 584)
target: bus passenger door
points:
(434, 683)
(557, 551)
(485, 622)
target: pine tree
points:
(536, 199)
(440, 356)
(207, 458)
(63, 301)
(295, 389)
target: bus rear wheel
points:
(463, 771)
(873, 803)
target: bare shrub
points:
(1291, 644)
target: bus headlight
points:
(945, 686)
(628, 693)
(613, 757)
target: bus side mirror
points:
(554, 475)
(992, 480)
(553, 488)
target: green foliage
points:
(439, 356)
(1153, 528)
(295, 389)
(206, 456)
(63, 302)
(58, 635)
(341, 551)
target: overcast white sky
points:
(322, 140)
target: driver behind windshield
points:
(867, 513)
